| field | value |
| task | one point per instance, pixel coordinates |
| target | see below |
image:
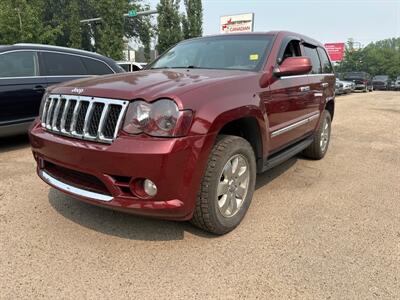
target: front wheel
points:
(319, 146)
(227, 187)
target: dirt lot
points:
(325, 229)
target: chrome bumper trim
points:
(73, 190)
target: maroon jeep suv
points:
(185, 138)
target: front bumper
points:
(360, 87)
(175, 165)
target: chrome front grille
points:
(82, 117)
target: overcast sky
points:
(324, 20)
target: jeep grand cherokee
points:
(185, 138)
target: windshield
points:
(221, 52)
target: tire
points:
(219, 179)
(320, 144)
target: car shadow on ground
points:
(13, 143)
(133, 227)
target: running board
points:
(287, 153)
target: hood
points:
(148, 84)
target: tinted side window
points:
(58, 64)
(326, 64)
(313, 55)
(19, 64)
(95, 67)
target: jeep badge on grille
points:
(77, 91)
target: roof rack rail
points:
(53, 47)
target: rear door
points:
(59, 67)
(289, 102)
(21, 87)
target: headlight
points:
(137, 117)
(161, 118)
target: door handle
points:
(324, 84)
(39, 88)
(304, 88)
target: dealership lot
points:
(315, 229)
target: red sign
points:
(335, 51)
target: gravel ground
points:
(326, 229)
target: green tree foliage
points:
(21, 21)
(111, 29)
(192, 22)
(169, 24)
(379, 58)
(74, 26)
(57, 22)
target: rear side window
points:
(126, 67)
(312, 53)
(325, 62)
(96, 67)
(58, 64)
(19, 64)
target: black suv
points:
(362, 80)
(27, 69)
(381, 82)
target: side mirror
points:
(293, 66)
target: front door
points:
(287, 106)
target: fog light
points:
(149, 187)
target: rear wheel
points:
(319, 146)
(227, 187)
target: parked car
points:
(397, 83)
(348, 86)
(362, 80)
(27, 69)
(381, 82)
(130, 66)
(339, 87)
(184, 139)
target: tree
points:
(75, 29)
(169, 24)
(192, 23)
(21, 21)
(379, 58)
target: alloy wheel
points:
(233, 185)
(325, 134)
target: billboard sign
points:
(335, 51)
(237, 23)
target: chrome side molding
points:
(295, 125)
